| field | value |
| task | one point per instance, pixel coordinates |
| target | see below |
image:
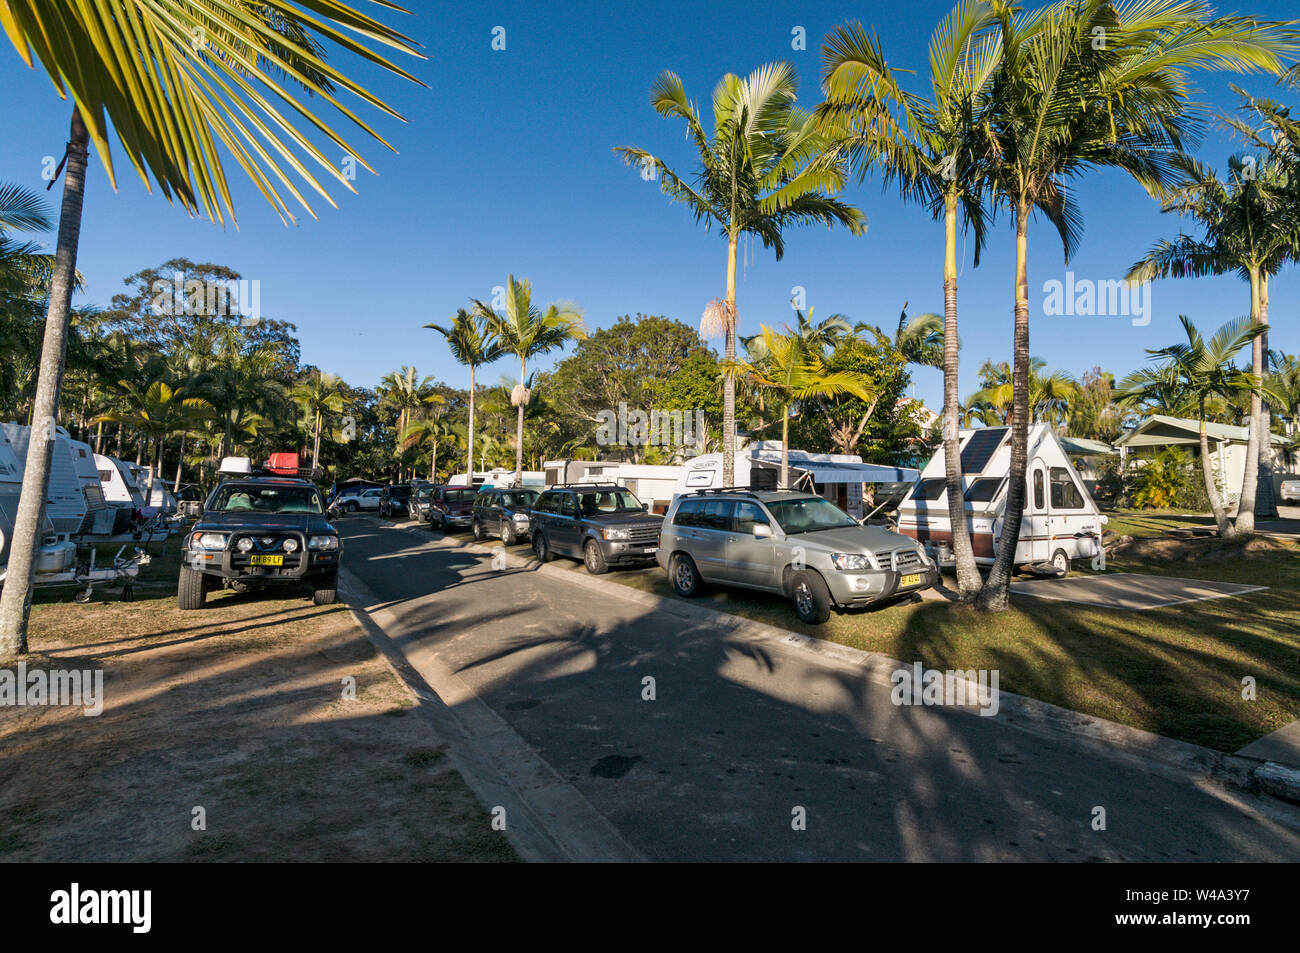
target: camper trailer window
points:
(1065, 495)
(809, 514)
(1038, 489)
(930, 489)
(984, 489)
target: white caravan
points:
(1061, 522)
(838, 477)
(119, 484)
(501, 476)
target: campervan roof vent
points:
(235, 466)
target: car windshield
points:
(519, 498)
(809, 514)
(608, 501)
(266, 498)
(460, 496)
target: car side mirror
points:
(762, 530)
(645, 507)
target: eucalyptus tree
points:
(1082, 85)
(767, 167)
(1199, 371)
(526, 331)
(926, 147)
(179, 83)
(474, 344)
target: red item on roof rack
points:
(283, 464)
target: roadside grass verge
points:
(237, 709)
(1175, 671)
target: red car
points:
(451, 507)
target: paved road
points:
(745, 732)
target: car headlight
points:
(323, 542)
(615, 532)
(290, 545)
(208, 540)
(521, 517)
(244, 545)
(851, 562)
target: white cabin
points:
(1061, 521)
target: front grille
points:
(900, 560)
(266, 544)
(643, 534)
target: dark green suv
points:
(504, 512)
(602, 524)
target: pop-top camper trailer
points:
(119, 484)
(1061, 521)
(838, 477)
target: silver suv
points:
(796, 544)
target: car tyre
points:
(508, 535)
(542, 549)
(191, 589)
(811, 597)
(325, 590)
(684, 576)
(593, 557)
(350, 507)
(479, 533)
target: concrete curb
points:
(1143, 749)
(548, 819)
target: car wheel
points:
(349, 507)
(594, 558)
(508, 535)
(811, 598)
(541, 549)
(1061, 562)
(325, 590)
(191, 589)
(684, 576)
(478, 531)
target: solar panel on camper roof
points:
(980, 447)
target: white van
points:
(1061, 521)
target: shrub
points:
(1169, 480)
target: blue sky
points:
(505, 166)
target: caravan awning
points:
(827, 472)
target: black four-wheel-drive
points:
(602, 524)
(257, 531)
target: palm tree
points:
(1200, 371)
(474, 344)
(766, 168)
(1251, 225)
(928, 149)
(173, 80)
(318, 395)
(405, 391)
(527, 332)
(784, 366)
(24, 269)
(156, 413)
(1063, 104)
(434, 430)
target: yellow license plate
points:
(266, 561)
(913, 580)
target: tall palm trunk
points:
(993, 596)
(433, 466)
(729, 384)
(1265, 500)
(315, 447)
(968, 576)
(1245, 522)
(785, 448)
(469, 464)
(1212, 491)
(16, 598)
(180, 463)
(519, 430)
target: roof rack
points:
(726, 489)
(589, 486)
